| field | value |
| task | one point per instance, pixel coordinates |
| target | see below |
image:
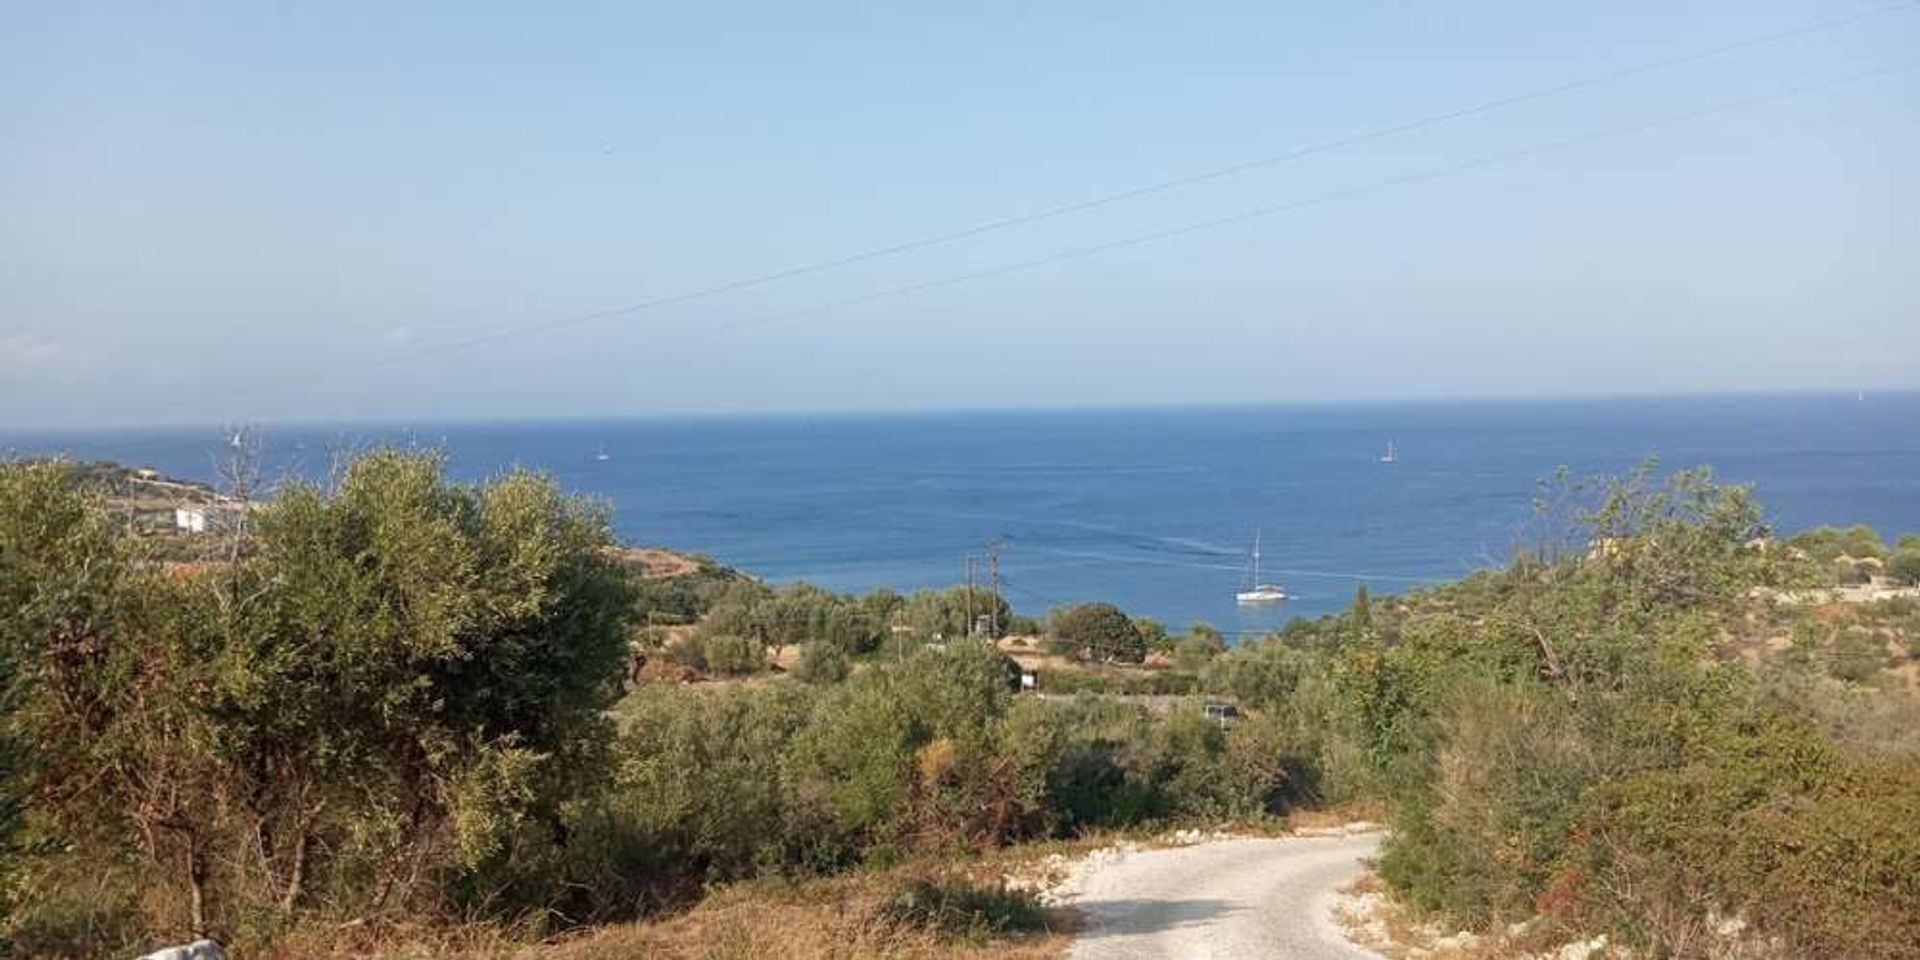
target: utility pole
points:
(993, 572)
(967, 631)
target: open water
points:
(1152, 509)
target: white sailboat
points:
(602, 456)
(1258, 592)
(1390, 456)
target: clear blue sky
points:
(221, 212)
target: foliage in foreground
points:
(382, 706)
(932, 753)
(1565, 738)
(396, 705)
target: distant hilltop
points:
(119, 481)
(176, 509)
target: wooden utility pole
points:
(967, 631)
(993, 572)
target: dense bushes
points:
(942, 614)
(932, 753)
(1904, 566)
(383, 704)
(398, 699)
(1854, 555)
(685, 597)
(1561, 738)
(1827, 544)
(1811, 847)
(395, 702)
(832, 630)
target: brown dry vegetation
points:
(840, 918)
(659, 564)
(843, 917)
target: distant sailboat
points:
(602, 456)
(1256, 591)
(1390, 456)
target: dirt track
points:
(1230, 899)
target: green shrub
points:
(734, 656)
(689, 651)
(942, 614)
(1837, 873)
(1072, 681)
(1193, 652)
(700, 793)
(868, 762)
(1480, 841)
(1098, 631)
(401, 678)
(960, 908)
(822, 662)
(1261, 674)
(1852, 573)
(669, 601)
(1904, 567)
(1824, 544)
(1857, 655)
(1874, 720)
(1776, 828)
(1153, 633)
(1161, 683)
(1555, 737)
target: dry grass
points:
(838, 919)
(1339, 815)
(830, 918)
(658, 564)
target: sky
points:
(219, 213)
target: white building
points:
(190, 519)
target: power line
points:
(1140, 239)
(1256, 213)
(1217, 173)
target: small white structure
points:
(190, 519)
(1028, 680)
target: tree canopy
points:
(384, 698)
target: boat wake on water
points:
(1094, 556)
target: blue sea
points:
(1155, 510)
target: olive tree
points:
(372, 707)
(1099, 631)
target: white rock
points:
(1583, 949)
(197, 950)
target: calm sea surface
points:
(1156, 509)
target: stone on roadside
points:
(197, 950)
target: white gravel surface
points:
(1235, 899)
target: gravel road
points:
(1227, 899)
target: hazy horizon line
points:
(846, 413)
